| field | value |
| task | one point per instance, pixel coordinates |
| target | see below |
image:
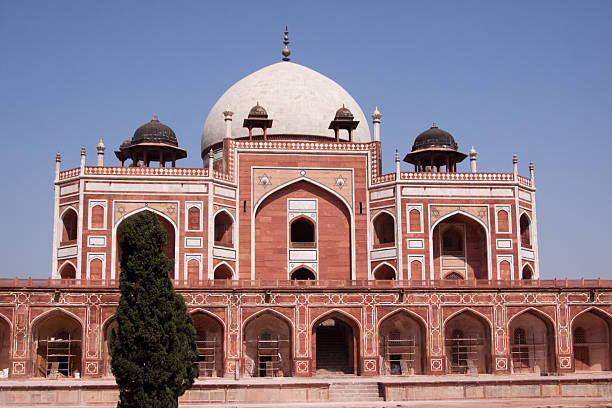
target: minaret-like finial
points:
(434, 125)
(154, 116)
(286, 51)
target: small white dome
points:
(300, 101)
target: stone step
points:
(357, 391)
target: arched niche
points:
(302, 273)
(402, 344)
(384, 272)
(460, 245)
(271, 232)
(69, 226)
(210, 338)
(267, 346)
(335, 344)
(57, 345)
(467, 340)
(591, 334)
(67, 271)
(169, 247)
(223, 272)
(383, 226)
(525, 225)
(302, 233)
(224, 229)
(527, 273)
(532, 343)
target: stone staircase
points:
(355, 391)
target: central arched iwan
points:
(272, 233)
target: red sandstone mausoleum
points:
(297, 257)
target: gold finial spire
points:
(286, 51)
(154, 116)
(434, 124)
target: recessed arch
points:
(6, 333)
(383, 229)
(223, 270)
(115, 241)
(402, 343)
(107, 327)
(267, 344)
(69, 219)
(525, 229)
(336, 342)
(210, 341)
(67, 270)
(302, 272)
(591, 334)
(472, 218)
(332, 207)
(468, 341)
(384, 271)
(538, 354)
(223, 227)
(527, 272)
(302, 232)
(57, 337)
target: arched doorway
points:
(467, 339)
(460, 246)
(209, 340)
(56, 345)
(276, 249)
(532, 343)
(336, 345)
(402, 345)
(267, 347)
(591, 333)
(169, 247)
(5, 346)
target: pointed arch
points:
(592, 309)
(69, 221)
(535, 311)
(539, 354)
(224, 231)
(224, 265)
(6, 335)
(469, 310)
(468, 342)
(383, 265)
(65, 264)
(343, 205)
(210, 342)
(529, 268)
(383, 229)
(306, 268)
(115, 244)
(336, 345)
(591, 334)
(472, 217)
(402, 343)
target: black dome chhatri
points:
(344, 113)
(154, 132)
(258, 111)
(434, 137)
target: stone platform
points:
(577, 390)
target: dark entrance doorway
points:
(335, 347)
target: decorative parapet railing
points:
(457, 176)
(135, 171)
(288, 145)
(385, 178)
(524, 181)
(16, 283)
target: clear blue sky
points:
(532, 78)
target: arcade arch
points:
(210, 344)
(532, 343)
(267, 346)
(591, 334)
(56, 345)
(335, 344)
(402, 344)
(467, 337)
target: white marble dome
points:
(300, 101)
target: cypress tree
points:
(153, 349)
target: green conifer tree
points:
(153, 349)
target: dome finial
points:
(154, 116)
(286, 51)
(434, 124)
